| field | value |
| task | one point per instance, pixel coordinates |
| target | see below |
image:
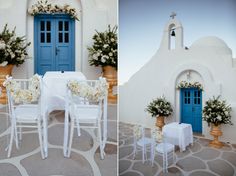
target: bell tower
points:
(173, 34)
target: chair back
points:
(23, 92)
(87, 96)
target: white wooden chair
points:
(86, 112)
(142, 141)
(166, 151)
(24, 111)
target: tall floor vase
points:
(216, 132)
(160, 122)
(4, 71)
(110, 73)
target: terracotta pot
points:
(160, 122)
(4, 71)
(215, 132)
(110, 73)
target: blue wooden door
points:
(191, 108)
(54, 43)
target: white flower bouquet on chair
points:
(31, 94)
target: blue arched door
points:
(54, 43)
(191, 108)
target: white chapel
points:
(208, 61)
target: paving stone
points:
(125, 151)
(56, 136)
(226, 147)
(159, 160)
(172, 171)
(195, 147)
(112, 130)
(204, 142)
(76, 165)
(4, 122)
(58, 115)
(207, 154)
(129, 141)
(130, 173)
(202, 173)
(180, 154)
(124, 165)
(145, 168)
(221, 167)
(29, 143)
(107, 166)
(9, 170)
(191, 163)
(230, 156)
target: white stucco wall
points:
(93, 15)
(208, 60)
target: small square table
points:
(178, 134)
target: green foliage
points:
(159, 107)
(103, 52)
(12, 48)
(216, 111)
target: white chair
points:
(142, 141)
(85, 110)
(24, 104)
(166, 151)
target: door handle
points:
(57, 50)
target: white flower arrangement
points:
(103, 52)
(217, 112)
(159, 107)
(20, 95)
(92, 93)
(44, 7)
(157, 135)
(13, 49)
(185, 84)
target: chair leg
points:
(11, 141)
(100, 141)
(40, 139)
(20, 133)
(135, 147)
(16, 135)
(72, 126)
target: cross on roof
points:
(173, 14)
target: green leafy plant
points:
(217, 111)
(103, 52)
(12, 48)
(159, 107)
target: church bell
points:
(173, 33)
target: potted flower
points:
(159, 108)
(103, 53)
(216, 112)
(12, 52)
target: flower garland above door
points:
(45, 7)
(185, 84)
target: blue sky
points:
(141, 25)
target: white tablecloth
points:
(178, 134)
(53, 97)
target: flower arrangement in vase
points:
(159, 108)
(103, 53)
(13, 51)
(216, 112)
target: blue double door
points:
(191, 108)
(54, 43)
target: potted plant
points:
(159, 108)
(103, 53)
(215, 113)
(12, 52)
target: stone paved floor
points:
(85, 156)
(197, 160)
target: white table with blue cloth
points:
(180, 134)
